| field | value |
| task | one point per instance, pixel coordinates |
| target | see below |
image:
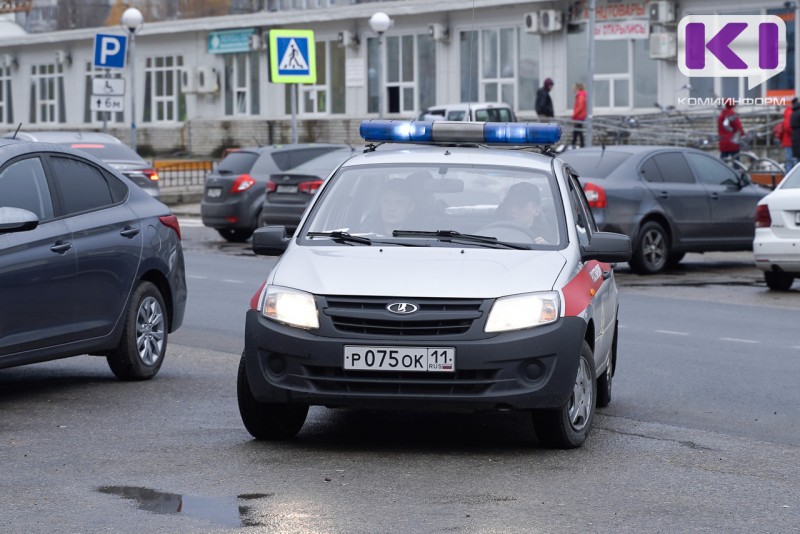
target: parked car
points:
(478, 111)
(91, 264)
(777, 242)
(105, 147)
(234, 191)
(431, 278)
(668, 200)
(288, 194)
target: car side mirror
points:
(607, 247)
(17, 220)
(270, 241)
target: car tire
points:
(267, 420)
(567, 427)
(235, 236)
(778, 280)
(651, 254)
(605, 381)
(143, 345)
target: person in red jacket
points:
(730, 131)
(578, 113)
(784, 135)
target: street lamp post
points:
(380, 22)
(132, 20)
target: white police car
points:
(449, 276)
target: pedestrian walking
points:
(783, 133)
(730, 131)
(544, 104)
(578, 114)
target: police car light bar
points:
(491, 133)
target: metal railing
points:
(183, 173)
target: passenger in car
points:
(396, 206)
(522, 206)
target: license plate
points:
(431, 359)
(287, 189)
(214, 192)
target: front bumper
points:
(290, 365)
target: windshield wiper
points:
(345, 237)
(450, 235)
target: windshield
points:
(792, 179)
(446, 205)
(594, 163)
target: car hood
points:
(441, 272)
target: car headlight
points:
(290, 306)
(523, 311)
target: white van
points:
(478, 111)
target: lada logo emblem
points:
(402, 308)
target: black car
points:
(289, 193)
(234, 191)
(105, 147)
(90, 263)
(668, 200)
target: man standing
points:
(784, 129)
(794, 123)
(544, 104)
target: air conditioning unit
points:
(438, 32)
(550, 20)
(532, 22)
(188, 80)
(207, 80)
(348, 38)
(661, 12)
(663, 45)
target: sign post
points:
(292, 59)
(109, 53)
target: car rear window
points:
(291, 158)
(594, 164)
(238, 162)
(107, 152)
(792, 180)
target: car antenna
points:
(468, 115)
(16, 131)
(258, 143)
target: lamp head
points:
(132, 19)
(380, 22)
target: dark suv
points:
(234, 192)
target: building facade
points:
(203, 84)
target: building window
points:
(489, 66)
(47, 94)
(617, 64)
(163, 99)
(327, 95)
(6, 102)
(242, 84)
(90, 116)
(408, 76)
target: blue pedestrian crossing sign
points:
(109, 51)
(292, 56)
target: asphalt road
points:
(702, 434)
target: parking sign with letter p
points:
(110, 51)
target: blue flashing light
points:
(521, 133)
(397, 131)
(494, 133)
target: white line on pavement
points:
(672, 332)
(738, 340)
(197, 277)
(233, 281)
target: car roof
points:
(64, 137)
(14, 147)
(630, 149)
(293, 146)
(433, 155)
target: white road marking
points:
(197, 277)
(233, 281)
(735, 340)
(672, 332)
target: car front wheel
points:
(568, 426)
(143, 345)
(651, 253)
(267, 420)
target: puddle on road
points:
(225, 511)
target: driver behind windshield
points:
(522, 207)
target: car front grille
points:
(337, 380)
(435, 317)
